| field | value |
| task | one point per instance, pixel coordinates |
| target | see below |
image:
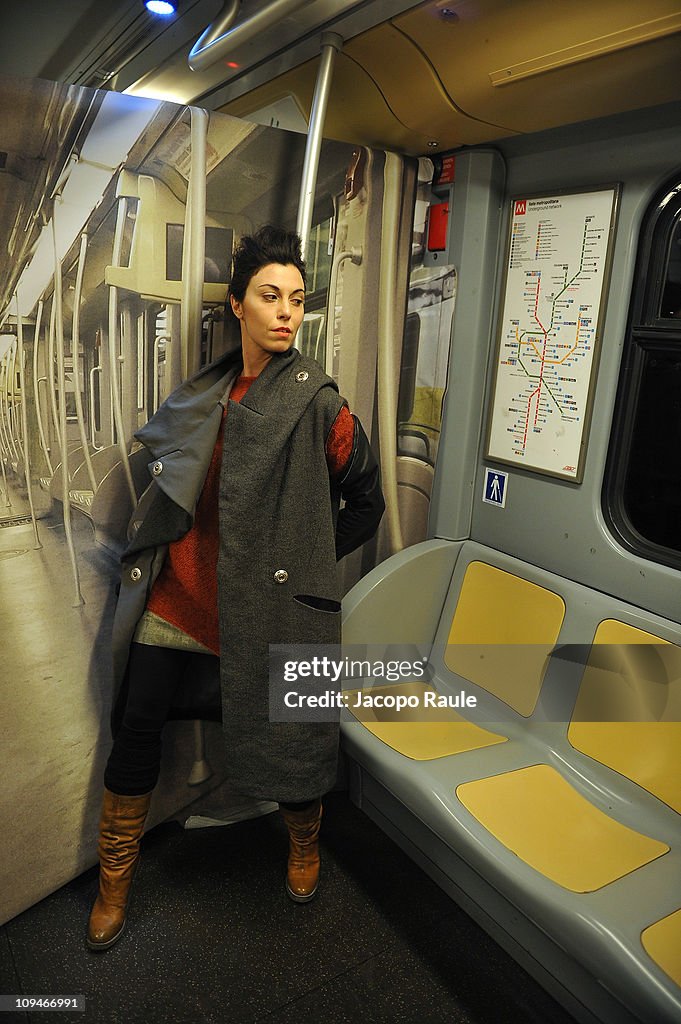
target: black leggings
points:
(154, 675)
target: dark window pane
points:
(652, 490)
(670, 305)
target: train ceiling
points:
(417, 78)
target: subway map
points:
(554, 286)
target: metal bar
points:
(14, 410)
(193, 255)
(332, 43)
(93, 371)
(36, 389)
(75, 345)
(354, 254)
(24, 421)
(157, 340)
(5, 426)
(63, 441)
(386, 368)
(113, 350)
(219, 38)
(3, 448)
(49, 370)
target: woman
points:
(233, 548)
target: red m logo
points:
(520, 207)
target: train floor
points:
(211, 937)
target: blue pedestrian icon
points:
(494, 492)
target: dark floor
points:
(212, 937)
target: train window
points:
(131, 206)
(642, 489)
(670, 305)
(219, 243)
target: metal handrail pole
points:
(93, 371)
(36, 390)
(14, 408)
(4, 432)
(193, 263)
(63, 441)
(156, 381)
(332, 43)
(354, 254)
(386, 367)
(75, 352)
(211, 47)
(10, 447)
(113, 348)
(3, 450)
(24, 421)
(49, 369)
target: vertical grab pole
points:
(332, 43)
(24, 420)
(36, 389)
(386, 365)
(7, 408)
(8, 500)
(194, 250)
(14, 418)
(113, 351)
(63, 441)
(75, 344)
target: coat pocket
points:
(320, 604)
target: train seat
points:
(425, 733)
(662, 942)
(556, 824)
(628, 712)
(540, 818)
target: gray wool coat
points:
(277, 511)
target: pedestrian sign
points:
(494, 491)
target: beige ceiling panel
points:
(414, 91)
(397, 103)
(554, 63)
(357, 111)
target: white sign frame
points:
(539, 416)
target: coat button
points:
(301, 376)
(280, 576)
(136, 574)
(157, 468)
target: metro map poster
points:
(556, 275)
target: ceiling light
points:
(162, 7)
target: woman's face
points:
(271, 312)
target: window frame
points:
(646, 332)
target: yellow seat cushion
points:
(421, 733)
(662, 943)
(502, 634)
(628, 712)
(537, 815)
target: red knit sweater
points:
(186, 591)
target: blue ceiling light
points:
(162, 7)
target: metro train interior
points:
(489, 196)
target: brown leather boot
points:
(303, 852)
(120, 831)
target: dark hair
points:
(268, 245)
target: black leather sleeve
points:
(360, 488)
